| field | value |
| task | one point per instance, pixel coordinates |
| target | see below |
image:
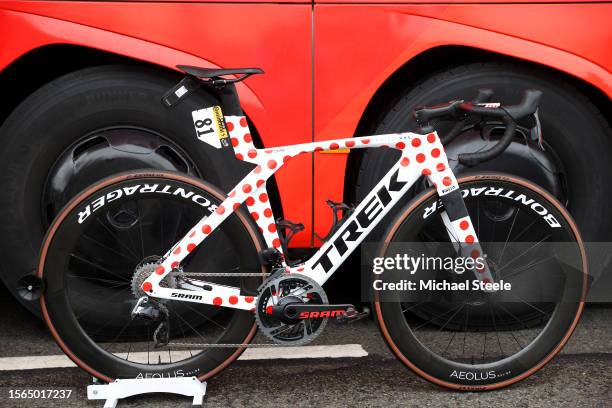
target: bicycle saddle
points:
(213, 72)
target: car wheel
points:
(574, 165)
(81, 128)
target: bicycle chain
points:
(213, 274)
(229, 345)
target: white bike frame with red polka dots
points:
(421, 155)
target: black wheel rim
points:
(452, 325)
(99, 258)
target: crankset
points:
(277, 313)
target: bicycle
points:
(191, 273)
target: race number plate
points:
(210, 127)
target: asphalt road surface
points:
(370, 376)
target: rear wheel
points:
(92, 258)
(475, 339)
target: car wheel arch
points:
(434, 60)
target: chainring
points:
(294, 288)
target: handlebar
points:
(466, 112)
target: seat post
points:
(230, 102)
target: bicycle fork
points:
(460, 227)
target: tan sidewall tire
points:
(407, 212)
(92, 190)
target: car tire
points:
(572, 126)
(51, 120)
(574, 130)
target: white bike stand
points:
(119, 389)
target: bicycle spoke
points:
(117, 239)
(118, 334)
(523, 253)
(141, 234)
(495, 328)
(478, 220)
(197, 333)
(180, 324)
(161, 212)
(520, 270)
(413, 306)
(530, 305)
(116, 283)
(484, 347)
(457, 310)
(501, 256)
(95, 265)
(95, 241)
(449, 343)
(200, 314)
(106, 299)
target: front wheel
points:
(473, 339)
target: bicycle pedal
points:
(352, 315)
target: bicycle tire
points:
(410, 349)
(74, 338)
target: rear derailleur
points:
(155, 314)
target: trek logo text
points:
(367, 213)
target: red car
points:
(81, 82)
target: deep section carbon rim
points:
(477, 338)
(95, 262)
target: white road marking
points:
(270, 353)
(333, 351)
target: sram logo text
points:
(177, 295)
(321, 315)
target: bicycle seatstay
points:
(421, 155)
